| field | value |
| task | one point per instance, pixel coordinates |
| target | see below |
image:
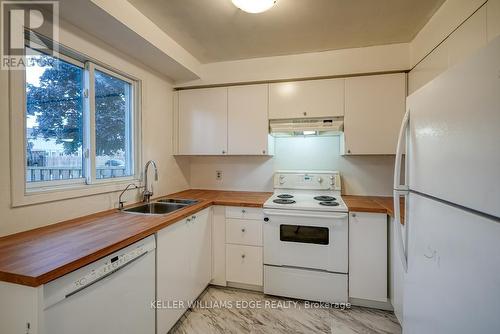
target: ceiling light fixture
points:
(254, 6)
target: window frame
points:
(26, 193)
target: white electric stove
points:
(306, 237)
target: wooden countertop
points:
(41, 255)
(377, 204)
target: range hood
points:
(306, 127)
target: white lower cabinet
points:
(243, 232)
(244, 264)
(218, 246)
(184, 266)
(368, 256)
(244, 252)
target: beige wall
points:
(156, 123)
(381, 58)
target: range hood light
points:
(254, 6)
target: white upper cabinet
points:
(202, 118)
(310, 98)
(248, 123)
(374, 109)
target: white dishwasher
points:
(112, 295)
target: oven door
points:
(316, 240)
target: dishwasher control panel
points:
(110, 266)
(82, 278)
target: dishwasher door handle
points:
(106, 275)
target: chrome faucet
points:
(146, 194)
(120, 202)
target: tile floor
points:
(226, 310)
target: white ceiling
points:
(215, 30)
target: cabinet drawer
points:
(238, 212)
(244, 232)
(244, 264)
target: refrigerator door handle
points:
(399, 153)
(398, 229)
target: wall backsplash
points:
(361, 175)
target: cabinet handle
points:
(243, 230)
(243, 211)
(243, 256)
(193, 217)
(305, 114)
(354, 215)
(348, 151)
(266, 219)
(223, 152)
(263, 151)
(188, 220)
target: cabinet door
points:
(218, 246)
(247, 119)
(200, 252)
(203, 121)
(173, 274)
(244, 264)
(368, 256)
(310, 98)
(374, 109)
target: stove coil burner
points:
(284, 201)
(329, 203)
(325, 198)
(285, 196)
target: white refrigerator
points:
(449, 157)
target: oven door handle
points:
(308, 215)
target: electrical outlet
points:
(218, 175)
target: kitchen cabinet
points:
(244, 253)
(308, 98)
(374, 109)
(247, 118)
(220, 121)
(202, 121)
(184, 265)
(243, 232)
(218, 246)
(368, 256)
(200, 252)
(244, 264)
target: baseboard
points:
(371, 304)
(243, 286)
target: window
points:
(112, 126)
(54, 119)
(81, 123)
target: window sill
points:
(63, 192)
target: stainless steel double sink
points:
(161, 206)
